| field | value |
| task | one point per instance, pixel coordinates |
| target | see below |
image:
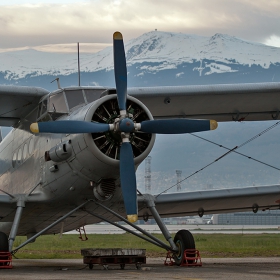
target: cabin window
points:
(74, 98)
(14, 159)
(31, 146)
(92, 94)
(24, 153)
(19, 156)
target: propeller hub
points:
(126, 125)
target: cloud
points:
(95, 21)
(72, 47)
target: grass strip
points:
(210, 245)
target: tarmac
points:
(193, 228)
(218, 268)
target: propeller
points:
(120, 71)
(69, 127)
(125, 125)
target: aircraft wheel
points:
(183, 240)
(4, 245)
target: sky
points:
(58, 25)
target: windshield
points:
(92, 94)
(57, 103)
(74, 98)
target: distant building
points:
(269, 217)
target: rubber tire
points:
(4, 245)
(184, 240)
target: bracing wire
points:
(227, 153)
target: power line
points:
(227, 153)
(233, 150)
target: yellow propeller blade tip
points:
(213, 124)
(117, 36)
(132, 218)
(34, 127)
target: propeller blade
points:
(128, 182)
(69, 127)
(120, 70)
(177, 126)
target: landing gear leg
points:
(14, 229)
(183, 239)
(151, 205)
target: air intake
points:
(104, 189)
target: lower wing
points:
(217, 201)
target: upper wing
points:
(217, 201)
(17, 101)
(220, 102)
(223, 103)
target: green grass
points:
(209, 245)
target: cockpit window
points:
(74, 98)
(58, 104)
(44, 106)
(92, 94)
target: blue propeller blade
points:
(120, 70)
(69, 127)
(128, 181)
(177, 126)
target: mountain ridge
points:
(152, 52)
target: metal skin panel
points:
(219, 102)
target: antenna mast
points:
(79, 75)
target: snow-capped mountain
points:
(155, 58)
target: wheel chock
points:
(5, 260)
(191, 257)
(168, 260)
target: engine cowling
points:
(109, 143)
(102, 153)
